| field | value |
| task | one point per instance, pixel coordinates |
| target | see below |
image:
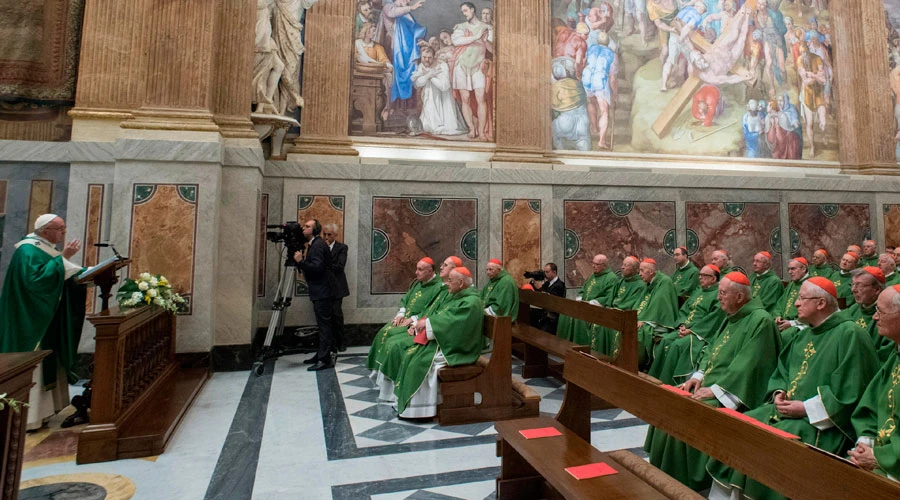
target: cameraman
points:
(554, 286)
(315, 266)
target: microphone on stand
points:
(110, 245)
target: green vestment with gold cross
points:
(877, 415)
(599, 287)
(414, 302)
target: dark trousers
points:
(337, 322)
(322, 309)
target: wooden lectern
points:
(104, 276)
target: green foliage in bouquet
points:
(14, 405)
(149, 289)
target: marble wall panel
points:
(521, 246)
(891, 225)
(616, 229)
(164, 233)
(325, 209)
(261, 255)
(406, 229)
(830, 226)
(90, 254)
(40, 201)
(743, 229)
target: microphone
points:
(109, 245)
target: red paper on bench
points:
(676, 390)
(591, 470)
(540, 432)
(753, 421)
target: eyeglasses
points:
(808, 298)
(708, 275)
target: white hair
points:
(820, 293)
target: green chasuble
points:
(891, 279)
(457, 332)
(686, 279)
(675, 357)
(876, 417)
(626, 294)
(394, 350)
(868, 261)
(413, 303)
(824, 271)
(658, 310)
(40, 307)
(739, 362)
(600, 287)
(767, 288)
(843, 281)
(831, 363)
(862, 316)
(786, 308)
(502, 295)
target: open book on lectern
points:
(111, 264)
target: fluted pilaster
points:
(866, 127)
(181, 54)
(326, 79)
(234, 68)
(523, 83)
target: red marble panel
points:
(521, 245)
(261, 253)
(828, 226)
(40, 201)
(892, 225)
(743, 229)
(91, 253)
(326, 210)
(164, 233)
(3, 185)
(405, 229)
(617, 229)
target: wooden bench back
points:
(615, 319)
(790, 467)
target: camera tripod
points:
(283, 297)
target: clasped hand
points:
(863, 456)
(693, 386)
(789, 407)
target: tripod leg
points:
(276, 323)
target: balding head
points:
(630, 266)
(721, 259)
(761, 263)
(599, 263)
(887, 315)
(869, 248)
(733, 296)
(648, 271)
(886, 263)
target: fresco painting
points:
(423, 69)
(728, 78)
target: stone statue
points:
(267, 64)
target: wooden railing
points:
(16, 372)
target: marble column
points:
(180, 67)
(522, 54)
(112, 70)
(325, 116)
(866, 127)
(233, 79)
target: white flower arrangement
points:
(149, 289)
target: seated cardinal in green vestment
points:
(450, 335)
(733, 373)
(764, 283)
(722, 260)
(786, 308)
(421, 292)
(875, 419)
(686, 277)
(598, 290)
(822, 373)
(842, 277)
(869, 255)
(819, 265)
(501, 294)
(41, 306)
(656, 312)
(677, 354)
(889, 268)
(628, 291)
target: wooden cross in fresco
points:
(663, 123)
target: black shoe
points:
(321, 365)
(312, 360)
(342, 348)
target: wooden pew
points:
(538, 343)
(502, 398)
(790, 467)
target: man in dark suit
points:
(316, 268)
(554, 286)
(339, 283)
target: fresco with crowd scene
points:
(423, 68)
(736, 78)
(892, 17)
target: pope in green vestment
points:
(686, 277)
(677, 353)
(656, 312)
(734, 371)
(416, 299)
(823, 370)
(501, 295)
(598, 290)
(454, 337)
(875, 419)
(628, 291)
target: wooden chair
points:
(502, 398)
